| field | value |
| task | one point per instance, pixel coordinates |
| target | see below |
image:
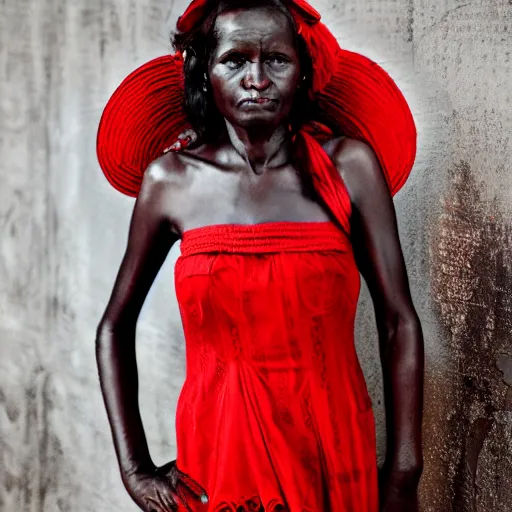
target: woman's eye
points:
(234, 61)
(277, 61)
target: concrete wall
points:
(64, 232)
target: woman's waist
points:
(269, 342)
(216, 389)
(209, 366)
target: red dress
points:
(274, 414)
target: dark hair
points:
(199, 45)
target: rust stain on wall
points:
(471, 262)
(504, 364)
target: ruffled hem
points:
(252, 504)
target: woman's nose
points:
(256, 77)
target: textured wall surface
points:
(64, 230)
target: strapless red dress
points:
(274, 414)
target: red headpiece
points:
(144, 116)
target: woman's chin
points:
(264, 119)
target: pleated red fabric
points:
(274, 414)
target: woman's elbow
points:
(104, 330)
(111, 326)
(109, 336)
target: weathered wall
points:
(64, 232)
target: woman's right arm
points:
(149, 241)
(150, 238)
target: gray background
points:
(64, 231)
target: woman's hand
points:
(165, 489)
(398, 492)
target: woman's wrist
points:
(133, 467)
(403, 475)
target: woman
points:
(278, 208)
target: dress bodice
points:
(274, 397)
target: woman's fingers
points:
(182, 500)
(192, 486)
(153, 505)
(183, 489)
(162, 499)
(174, 498)
(166, 499)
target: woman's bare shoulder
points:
(169, 168)
(168, 183)
(163, 189)
(175, 170)
(345, 150)
(358, 166)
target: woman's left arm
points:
(379, 257)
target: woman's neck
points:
(261, 150)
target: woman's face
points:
(254, 71)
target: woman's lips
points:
(257, 101)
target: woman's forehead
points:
(249, 27)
